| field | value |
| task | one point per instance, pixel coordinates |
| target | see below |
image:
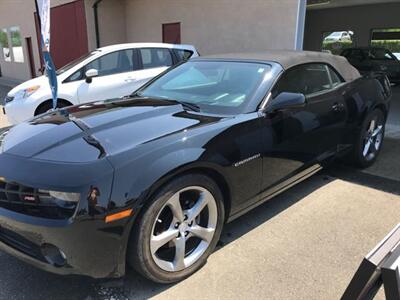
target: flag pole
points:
(43, 12)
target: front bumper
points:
(90, 246)
(19, 110)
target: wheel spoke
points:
(367, 147)
(198, 207)
(372, 126)
(176, 224)
(373, 148)
(175, 205)
(180, 247)
(377, 131)
(157, 241)
(206, 234)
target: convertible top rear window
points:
(214, 86)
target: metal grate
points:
(33, 202)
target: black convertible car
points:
(152, 178)
(374, 59)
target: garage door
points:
(68, 32)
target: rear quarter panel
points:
(362, 96)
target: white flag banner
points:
(44, 16)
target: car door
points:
(116, 76)
(297, 140)
(152, 62)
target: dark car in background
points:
(374, 59)
(150, 180)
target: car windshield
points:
(214, 86)
(75, 62)
(335, 34)
(380, 54)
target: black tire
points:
(358, 157)
(48, 105)
(139, 254)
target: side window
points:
(335, 78)
(113, 63)
(78, 75)
(183, 54)
(155, 57)
(305, 79)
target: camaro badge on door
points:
(239, 163)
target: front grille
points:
(33, 202)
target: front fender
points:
(134, 180)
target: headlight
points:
(67, 197)
(25, 93)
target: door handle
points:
(337, 107)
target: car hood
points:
(90, 131)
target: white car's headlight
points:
(25, 93)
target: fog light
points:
(53, 255)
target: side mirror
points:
(90, 74)
(287, 100)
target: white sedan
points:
(108, 72)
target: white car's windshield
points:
(335, 34)
(75, 62)
(213, 86)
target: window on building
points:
(4, 44)
(113, 63)
(16, 44)
(387, 38)
(155, 57)
(336, 41)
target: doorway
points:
(171, 33)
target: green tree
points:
(3, 39)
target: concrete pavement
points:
(304, 244)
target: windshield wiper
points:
(189, 105)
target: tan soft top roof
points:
(288, 59)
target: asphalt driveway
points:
(304, 244)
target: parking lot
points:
(304, 244)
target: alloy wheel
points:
(184, 229)
(373, 139)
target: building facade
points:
(79, 26)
